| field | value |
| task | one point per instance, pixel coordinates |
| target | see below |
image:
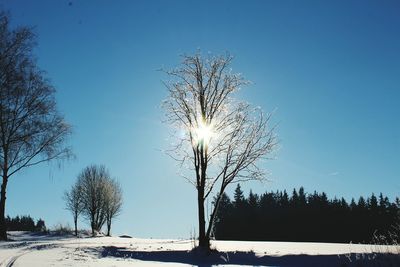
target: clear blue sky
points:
(330, 69)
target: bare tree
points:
(74, 203)
(101, 197)
(93, 183)
(32, 131)
(113, 203)
(223, 139)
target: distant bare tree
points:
(223, 138)
(93, 183)
(113, 203)
(74, 203)
(32, 131)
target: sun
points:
(202, 134)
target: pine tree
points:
(253, 200)
(353, 204)
(372, 202)
(222, 223)
(361, 203)
(284, 199)
(238, 196)
(302, 197)
(40, 226)
(295, 198)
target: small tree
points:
(223, 138)
(40, 226)
(93, 183)
(113, 202)
(74, 203)
(32, 131)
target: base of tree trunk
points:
(203, 252)
(3, 236)
(204, 246)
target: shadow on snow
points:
(250, 258)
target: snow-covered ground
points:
(29, 249)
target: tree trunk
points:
(215, 210)
(108, 228)
(92, 225)
(76, 225)
(204, 241)
(3, 226)
(212, 217)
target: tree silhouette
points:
(238, 197)
(97, 196)
(32, 131)
(92, 181)
(224, 138)
(224, 215)
(40, 226)
(113, 202)
(74, 203)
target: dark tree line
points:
(278, 216)
(25, 223)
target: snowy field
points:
(29, 249)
